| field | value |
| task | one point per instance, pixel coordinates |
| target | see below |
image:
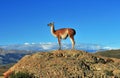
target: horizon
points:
(95, 22)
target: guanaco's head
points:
(51, 24)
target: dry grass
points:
(1, 77)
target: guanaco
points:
(63, 33)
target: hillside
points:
(67, 64)
(110, 53)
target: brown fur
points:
(71, 32)
(63, 34)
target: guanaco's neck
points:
(53, 30)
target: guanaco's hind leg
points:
(73, 42)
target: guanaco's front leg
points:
(59, 42)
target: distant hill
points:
(67, 64)
(110, 53)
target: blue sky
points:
(95, 21)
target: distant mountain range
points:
(110, 53)
(12, 53)
(12, 56)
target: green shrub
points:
(22, 75)
(109, 73)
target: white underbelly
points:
(63, 36)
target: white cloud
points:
(26, 43)
(32, 43)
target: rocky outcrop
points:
(68, 64)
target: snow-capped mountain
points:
(53, 46)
